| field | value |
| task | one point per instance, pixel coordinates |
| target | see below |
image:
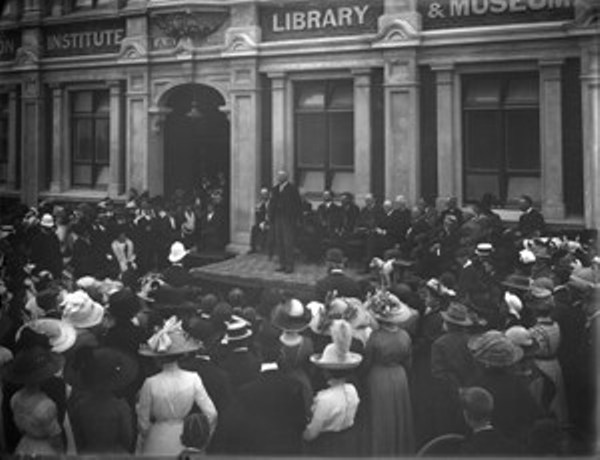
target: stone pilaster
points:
(280, 134)
(116, 179)
(362, 132)
(402, 171)
(11, 166)
(32, 140)
(58, 149)
(245, 150)
(447, 158)
(590, 92)
(144, 170)
(553, 206)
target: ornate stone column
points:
(116, 179)
(143, 169)
(553, 206)
(245, 150)
(32, 133)
(11, 173)
(402, 169)
(447, 159)
(58, 149)
(590, 93)
(362, 133)
(280, 134)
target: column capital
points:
(115, 84)
(277, 75)
(442, 67)
(362, 71)
(551, 62)
(550, 69)
(444, 74)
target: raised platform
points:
(255, 272)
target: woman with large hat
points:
(331, 430)
(102, 423)
(387, 356)
(35, 413)
(168, 397)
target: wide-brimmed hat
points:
(494, 349)
(291, 315)
(47, 221)
(457, 314)
(170, 340)
(387, 308)
(237, 329)
(61, 335)
(484, 249)
(584, 278)
(517, 282)
(337, 355)
(105, 367)
(519, 336)
(32, 365)
(81, 311)
(541, 288)
(178, 252)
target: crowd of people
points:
(466, 337)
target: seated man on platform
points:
(369, 219)
(336, 279)
(259, 232)
(213, 226)
(329, 215)
(347, 236)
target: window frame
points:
(328, 168)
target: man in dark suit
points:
(284, 214)
(213, 228)
(45, 248)
(484, 439)
(336, 279)
(259, 231)
(329, 216)
(531, 221)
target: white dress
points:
(165, 399)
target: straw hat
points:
(291, 315)
(47, 221)
(178, 252)
(494, 349)
(457, 314)
(484, 249)
(61, 335)
(32, 365)
(81, 311)
(237, 329)
(170, 340)
(337, 355)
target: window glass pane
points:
(101, 176)
(311, 181)
(484, 91)
(310, 95)
(522, 140)
(83, 143)
(341, 139)
(518, 186)
(82, 101)
(311, 140)
(478, 184)
(522, 91)
(102, 140)
(483, 139)
(82, 175)
(83, 3)
(342, 95)
(102, 104)
(343, 181)
(3, 173)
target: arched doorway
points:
(196, 139)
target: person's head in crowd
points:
(450, 222)
(327, 196)
(221, 315)
(282, 177)
(208, 303)
(264, 194)
(121, 233)
(540, 296)
(525, 203)
(236, 298)
(387, 206)
(347, 199)
(493, 351)
(369, 200)
(400, 203)
(456, 317)
(337, 361)
(178, 344)
(452, 203)
(238, 333)
(201, 329)
(47, 223)
(123, 305)
(216, 197)
(334, 259)
(478, 407)
(488, 200)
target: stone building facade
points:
(429, 98)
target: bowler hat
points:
(457, 314)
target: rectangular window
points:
(324, 133)
(501, 137)
(3, 138)
(90, 142)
